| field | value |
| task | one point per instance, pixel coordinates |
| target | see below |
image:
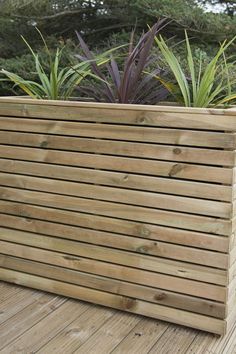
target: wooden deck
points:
(36, 322)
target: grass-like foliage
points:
(198, 87)
(128, 84)
(55, 83)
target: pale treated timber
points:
(211, 308)
(172, 268)
(30, 214)
(114, 163)
(230, 320)
(121, 132)
(129, 212)
(116, 301)
(15, 302)
(131, 203)
(139, 245)
(120, 276)
(231, 273)
(121, 148)
(148, 199)
(88, 323)
(47, 328)
(117, 179)
(141, 278)
(29, 317)
(161, 116)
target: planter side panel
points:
(125, 206)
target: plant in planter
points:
(130, 206)
(58, 83)
(131, 84)
(199, 88)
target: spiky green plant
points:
(58, 83)
(198, 87)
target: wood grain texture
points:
(161, 116)
(120, 195)
(121, 148)
(116, 301)
(206, 307)
(119, 179)
(122, 164)
(128, 206)
(113, 240)
(121, 132)
(173, 219)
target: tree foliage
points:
(103, 21)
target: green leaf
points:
(206, 87)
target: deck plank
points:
(38, 322)
(6, 292)
(16, 303)
(26, 318)
(47, 328)
(73, 336)
(110, 334)
(142, 337)
(174, 340)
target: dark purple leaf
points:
(129, 85)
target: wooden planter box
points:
(126, 206)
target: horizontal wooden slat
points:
(168, 107)
(125, 205)
(178, 274)
(166, 298)
(117, 179)
(121, 164)
(121, 132)
(123, 211)
(116, 301)
(30, 213)
(121, 148)
(111, 285)
(153, 200)
(139, 245)
(162, 116)
(110, 270)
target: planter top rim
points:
(118, 106)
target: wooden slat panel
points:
(121, 273)
(151, 216)
(110, 285)
(116, 301)
(114, 163)
(173, 270)
(123, 211)
(121, 132)
(175, 117)
(138, 245)
(121, 148)
(117, 179)
(162, 284)
(136, 229)
(153, 200)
